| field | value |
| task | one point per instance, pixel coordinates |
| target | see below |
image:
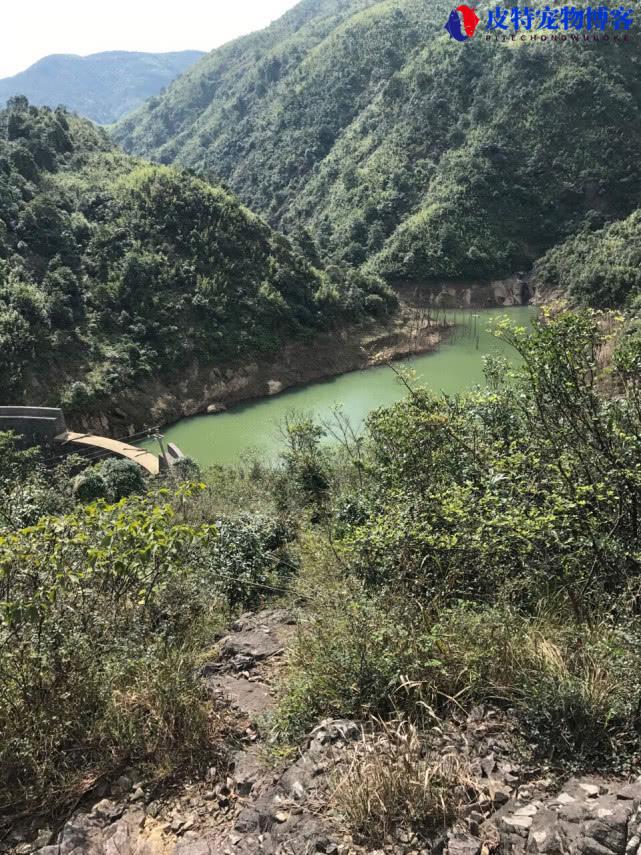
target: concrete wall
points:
(36, 424)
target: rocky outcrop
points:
(587, 817)
(514, 290)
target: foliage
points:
(599, 268)
(536, 483)
(113, 271)
(487, 550)
(28, 490)
(103, 616)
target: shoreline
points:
(417, 327)
(209, 390)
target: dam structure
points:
(46, 426)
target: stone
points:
(633, 844)
(526, 810)
(194, 847)
(463, 844)
(107, 809)
(247, 770)
(544, 837)
(517, 822)
(488, 765)
(630, 792)
(153, 809)
(298, 791)
(591, 790)
(122, 785)
(247, 821)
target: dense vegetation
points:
(484, 548)
(104, 612)
(598, 268)
(102, 86)
(480, 548)
(398, 147)
(113, 270)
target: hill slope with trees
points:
(399, 147)
(102, 86)
(113, 270)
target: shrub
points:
(100, 612)
(576, 688)
(122, 478)
(90, 485)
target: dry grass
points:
(393, 783)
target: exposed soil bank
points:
(416, 328)
(210, 389)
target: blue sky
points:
(31, 29)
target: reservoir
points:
(252, 428)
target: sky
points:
(31, 29)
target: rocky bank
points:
(417, 327)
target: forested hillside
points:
(102, 86)
(600, 268)
(401, 148)
(113, 270)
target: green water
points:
(254, 427)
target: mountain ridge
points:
(100, 86)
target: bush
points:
(101, 612)
(575, 688)
(122, 478)
(90, 485)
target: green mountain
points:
(102, 86)
(113, 270)
(400, 148)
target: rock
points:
(274, 387)
(121, 786)
(591, 790)
(248, 820)
(526, 810)
(488, 765)
(153, 809)
(106, 809)
(630, 791)
(565, 799)
(463, 844)
(517, 823)
(298, 790)
(544, 837)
